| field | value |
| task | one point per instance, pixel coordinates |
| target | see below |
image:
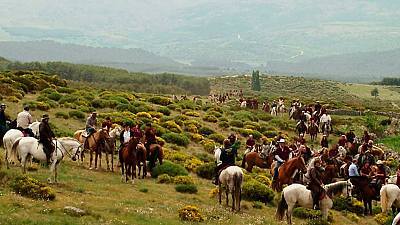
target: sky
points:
(247, 30)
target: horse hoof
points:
(90, 168)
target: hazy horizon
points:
(253, 32)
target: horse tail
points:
(237, 180)
(384, 199)
(14, 153)
(244, 162)
(282, 207)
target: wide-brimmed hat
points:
(281, 140)
(95, 113)
(379, 162)
(45, 116)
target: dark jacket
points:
(45, 131)
(137, 132)
(3, 118)
(283, 153)
(228, 156)
(350, 137)
(315, 177)
(150, 134)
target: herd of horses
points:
(20, 148)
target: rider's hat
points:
(379, 162)
(281, 140)
(370, 142)
(2, 105)
(45, 116)
(26, 107)
(94, 112)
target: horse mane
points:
(335, 188)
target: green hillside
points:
(190, 130)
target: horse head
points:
(301, 164)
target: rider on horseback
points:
(324, 141)
(24, 119)
(250, 144)
(315, 185)
(3, 120)
(351, 136)
(150, 135)
(91, 123)
(281, 155)
(227, 157)
(379, 177)
(46, 136)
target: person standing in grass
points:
(3, 120)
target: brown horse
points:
(313, 131)
(331, 172)
(367, 193)
(287, 171)
(95, 142)
(128, 159)
(254, 159)
(155, 152)
(141, 154)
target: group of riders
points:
(45, 134)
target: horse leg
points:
(91, 159)
(108, 164)
(112, 159)
(365, 207)
(370, 206)
(233, 200)
(122, 170)
(23, 164)
(144, 167)
(227, 195)
(220, 192)
(289, 214)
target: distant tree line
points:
(389, 81)
(118, 78)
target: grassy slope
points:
(111, 202)
(364, 91)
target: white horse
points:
(342, 152)
(231, 178)
(243, 104)
(35, 128)
(274, 111)
(396, 220)
(298, 195)
(8, 140)
(26, 147)
(390, 196)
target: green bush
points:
(160, 100)
(264, 116)
(270, 134)
(164, 179)
(383, 219)
(164, 110)
(214, 113)
(209, 145)
(183, 180)
(253, 190)
(169, 168)
(192, 122)
(236, 123)
(54, 96)
(192, 114)
(343, 204)
(32, 188)
(245, 116)
(258, 205)
(172, 126)
(310, 214)
(206, 131)
(63, 115)
(186, 188)
(210, 118)
(76, 114)
(223, 124)
(179, 139)
(206, 170)
(219, 138)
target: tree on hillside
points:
(255, 81)
(375, 92)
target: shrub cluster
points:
(205, 131)
(310, 214)
(32, 188)
(253, 190)
(206, 170)
(186, 188)
(179, 139)
(190, 213)
(343, 204)
(170, 168)
(219, 138)
(159, 100)
(183, 180)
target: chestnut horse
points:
(254, 159)
(141, 154)
(97, 140)
(287, 171)
(155, 152)
(367, 193)
(128, 159)
(313, 131)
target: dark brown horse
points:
(313, 131)
(366, 192)
(286, 172)
(141, 154)
(155, 152)
(128, 159)
(331, 172)
(254, 159)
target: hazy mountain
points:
(44, 51)
(358, 67)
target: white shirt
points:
(325, 118)
(24, 118)
(127, 136)
(353, 170)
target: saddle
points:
(222, 168)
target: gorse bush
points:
(210, 118)
(183, 180)
(190, 213)
(76, 114)
(164, 179)
(245, 116)
(253, 190)
(172, 126)
(209, 145)
(219, 138)
(160, 100)
(206, 131)
(32, 188)
(236, 123)
(164, 110)
(313, 215)
(179, 139)
(186, 188)
(353, 205)
(169, 168)
(206, 170)
(63, 115)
